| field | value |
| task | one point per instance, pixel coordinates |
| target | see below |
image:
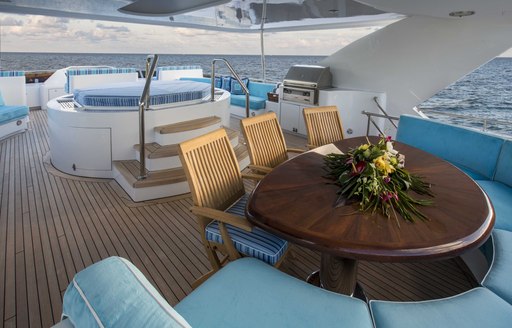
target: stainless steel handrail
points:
(375, 99)
(144, 99)
(235, 75)
(370, 120)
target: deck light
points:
(462, 13)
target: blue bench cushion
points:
(499, 277)
(12, 113)
(249, 293)
(254, 101)
(476, 308)
(258, 243)
(501, 198)
(114, 293)
(260, 89)
(460, 146)
(504, 166)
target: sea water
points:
(484, 93)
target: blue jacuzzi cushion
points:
(127, 94)
(116, 294)
(501, 198)
(254, 101)
(249, 293)
(12, 113)
(504, 166)
(464, 148)
(499, 277)
(476, 308)
(258, 243)
(236, 88)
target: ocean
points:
(484, 93)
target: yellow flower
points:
(382, 164)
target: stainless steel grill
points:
(303, 82)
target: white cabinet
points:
(292, 118)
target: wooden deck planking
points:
(53, 225)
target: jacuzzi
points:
(95, 126)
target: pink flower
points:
(388, 138)
(387, 179)
(359, 167)
(386, 196)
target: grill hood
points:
(308, 76)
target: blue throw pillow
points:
(236, 88)
(218, 82)
(226, 83)
(1, 100)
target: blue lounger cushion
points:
(249, 293)
(499, 277)
(476, 308)
(501, 199)
(258, 243)
(12, 113)
(114, 293)
(433, 136)
(504, 165)
(255, 102)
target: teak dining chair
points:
(219, 198)
(265, 142)
(323, 125)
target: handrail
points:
(485, 121)
(375, 99)
(235, 75)
(144, 99)
(370, 120)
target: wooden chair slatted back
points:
(323, 125)
(265, 140)
(212, 170)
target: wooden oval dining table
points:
(297, 202)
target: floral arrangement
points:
(374, 174)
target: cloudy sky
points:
(28, 33)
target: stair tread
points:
(130, 170)
(155, 150)
(188, 125)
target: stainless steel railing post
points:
(235, 75)
(144, 99)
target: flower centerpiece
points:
(374, 175)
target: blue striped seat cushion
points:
(11, 73)
(258, 243)
(128, 94)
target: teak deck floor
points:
(53, 225)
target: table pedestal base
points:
(338, 274)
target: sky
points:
(30, 33)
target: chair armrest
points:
(259, 168)
(295, 150)
(252, 176)
(234, 220)
(311, 146)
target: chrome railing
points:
(386, 115)
(144, 100)
(370, 117)
(235, 75)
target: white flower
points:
(389, 148)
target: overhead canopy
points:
(236, 15)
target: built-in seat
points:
(13, 110)
(79, 78)
(476, 308)
(499, 277)
(12, 113)
(245, 293)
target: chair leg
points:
(202, 279)
(212, 256)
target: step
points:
(178, 132)
(160, 157)
(161, 183)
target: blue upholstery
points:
(94, 71)
(504, 165)
(127, 94)
(501, 198)
(499, 277)
(433, 136)
(12, 113)
(236, 88)
(476, 308)
(11, 73)
(1, 99)
(249, 293)
(254, 101)
(218, 82)
(226, 83)
(197, 79)
(258, 243)
(115, 293)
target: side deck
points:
(53, 225)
